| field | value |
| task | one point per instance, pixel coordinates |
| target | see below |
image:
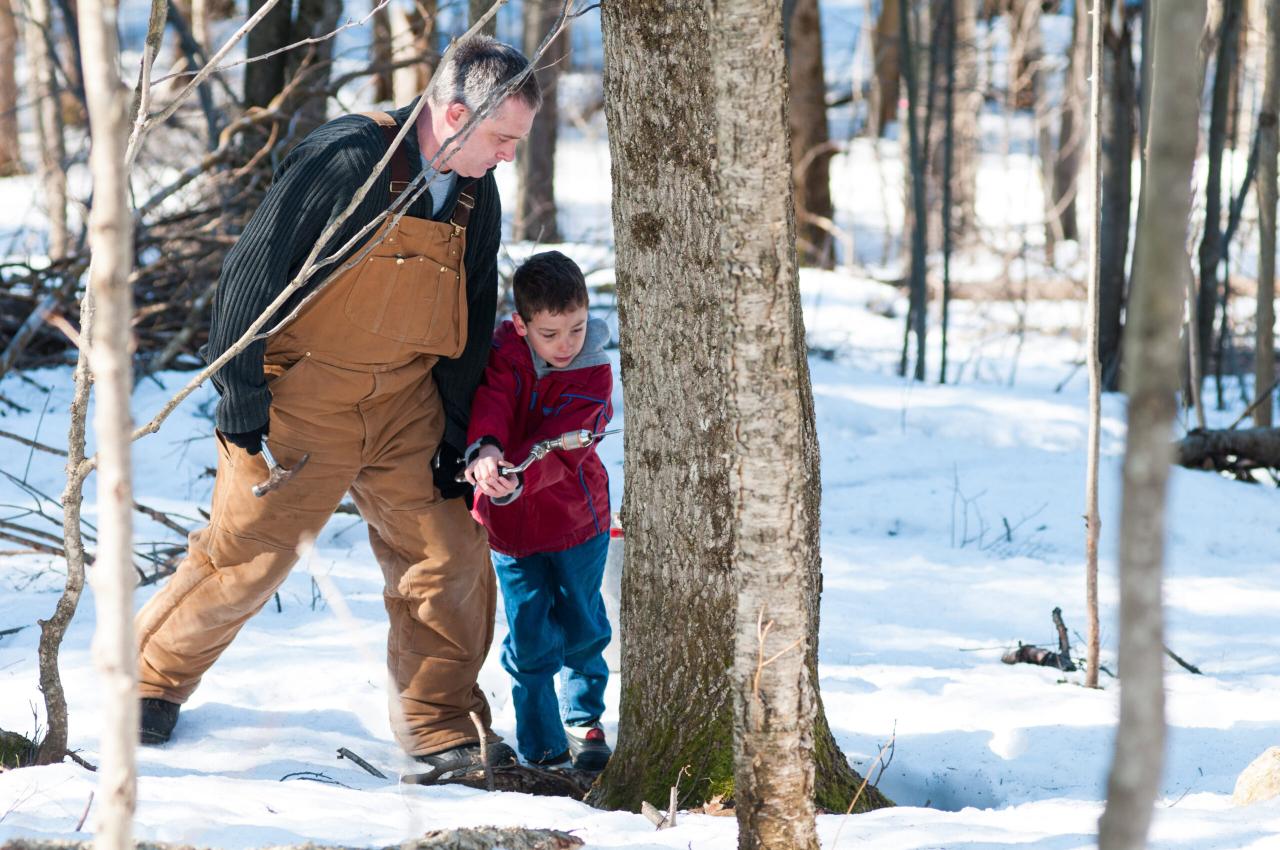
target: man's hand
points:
(485, 472)
(445, 467)
(250, 441)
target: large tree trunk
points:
(1152, 381)
(381, 52)
(775, 552)
(1072, 130)
(678, 585)
(811, 150)
(1118, 113)
(888, 58)
(535, 217)
(1211, 247)
(111, 244)
(10, 148)
(916, 222)
(47, 118)
(1264, 370)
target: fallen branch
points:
(1190, 668)
(1230, 450)
(1031, 654)
(343, 752)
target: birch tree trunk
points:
(10, 147)
(773, 463)
(113, 578)
(1264, 370)
(47, 118)
(811, 151)
(678, 585)
(535, 216)
(1152, 382)
(1093, 519)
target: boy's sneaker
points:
(156, 720)
(462, 760)
(588, 747)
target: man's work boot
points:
(158, 717)
(462, 760)
(588, 747)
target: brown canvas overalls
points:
(351, 383)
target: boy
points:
(549, 525)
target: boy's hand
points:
(485, 473)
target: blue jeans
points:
(557, 624)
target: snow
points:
(951, 529)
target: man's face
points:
(491, 141)
(556, 337)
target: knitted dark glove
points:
(445, 468)
(250, 441)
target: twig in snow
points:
(343, 752)
(85, 814)
(1190, 668)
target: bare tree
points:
(775, 553)
(1211, 247)
(10, 148)
(1093, 519)
(678, 585)
(888, 58)
(381, 51)
(1151, 378)
(412, 39)
(917, 222)
(811, 148)
(535, 217)
(1118, 116)
(265, 78)
(1264, 371)
(47, 119)
(111, 241)
(1071, 130)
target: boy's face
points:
(557, 337)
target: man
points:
(359, 392)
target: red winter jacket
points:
(565, 497)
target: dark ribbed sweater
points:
(312, 186)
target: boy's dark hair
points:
(549, 282)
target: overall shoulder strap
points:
(399, 165)
(462, 210)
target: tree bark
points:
(917, 216)
(1118, 113)
(111, 244)
(678, 584)
(1152, 382)
(811, 150)
(535, 217)
(1264, 370)
(313, 18)
(1072, 130)
(10, 147)
(887, 72)
(775, 553)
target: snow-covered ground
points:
(951, 529)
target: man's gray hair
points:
(479, 66)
